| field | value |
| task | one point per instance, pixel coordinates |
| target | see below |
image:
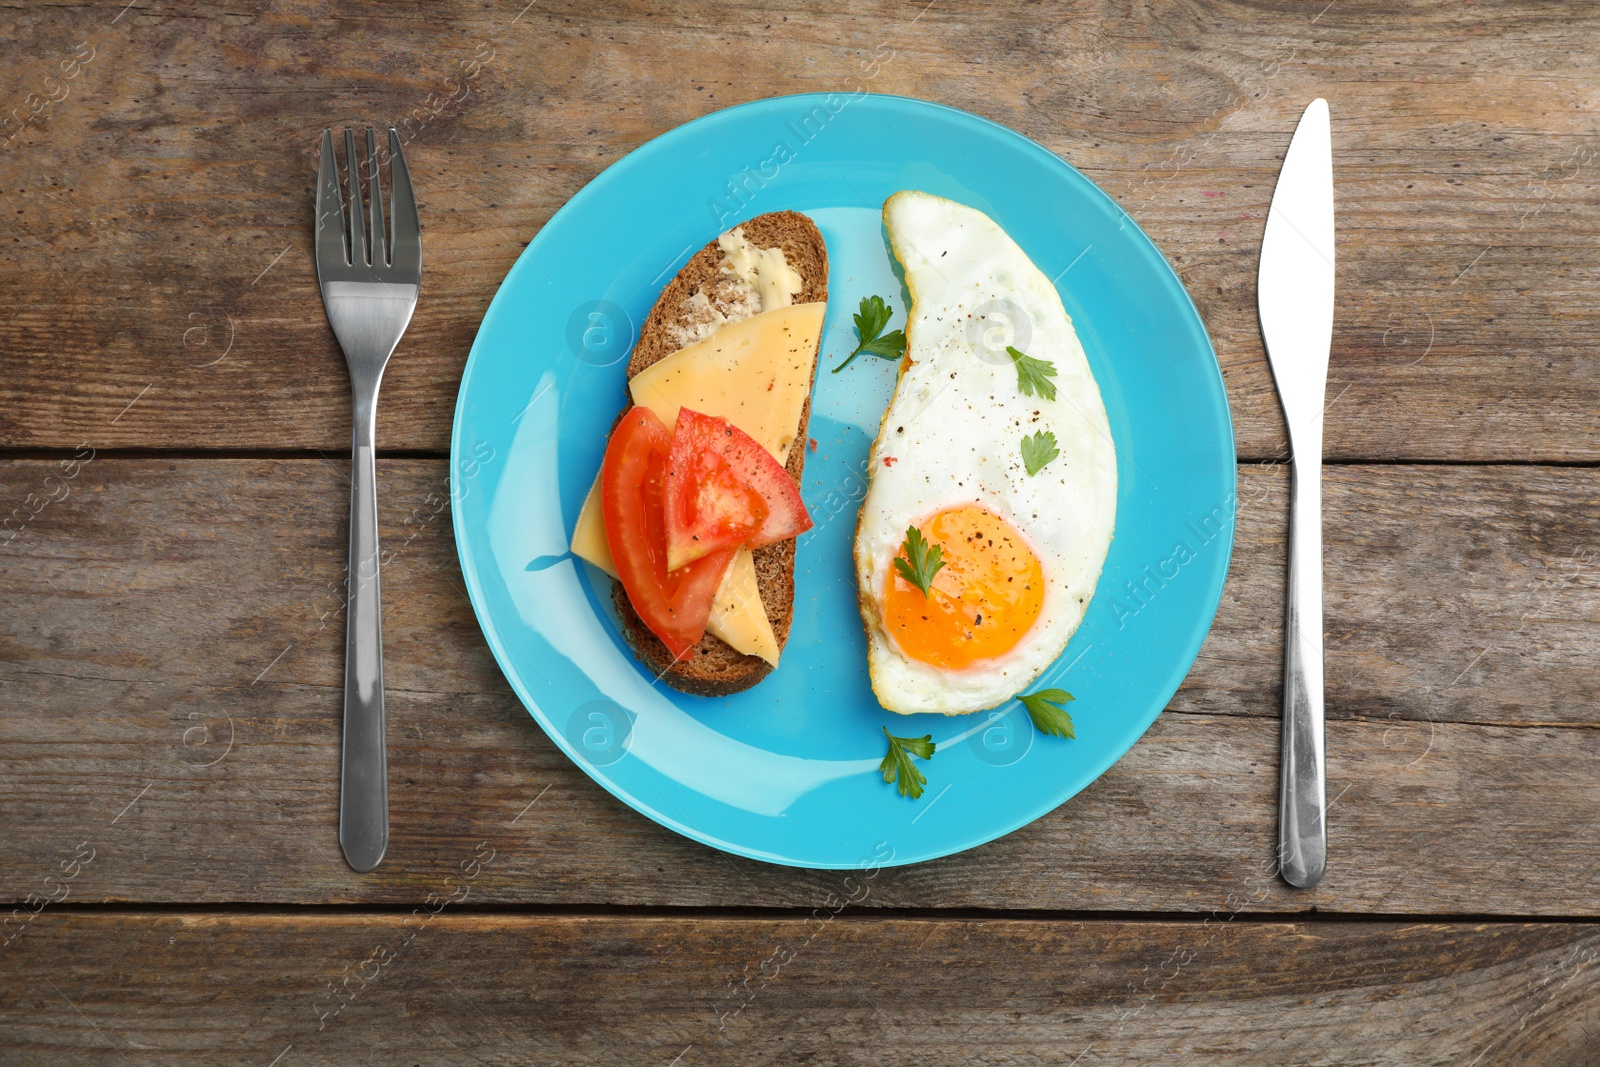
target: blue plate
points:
(787, 771)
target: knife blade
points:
(1294, 297)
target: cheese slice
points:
(756, 373)
(589, 535)
(737, 614)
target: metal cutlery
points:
(1295, 300)
(370, 276)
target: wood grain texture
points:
(171, 659)
(171, 629)
(156, 215)
(454, 988)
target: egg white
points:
(952, 435)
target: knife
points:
(1294, 296)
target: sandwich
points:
(697, 505)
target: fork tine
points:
(380, 256)
(406, 246)
(330, 207)
(358, 236)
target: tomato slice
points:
(709, 506)
(674, 604)
(723, 488)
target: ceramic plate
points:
(787, 771)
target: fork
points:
(369, 287)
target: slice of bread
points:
(716, 669)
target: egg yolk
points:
(981, 601)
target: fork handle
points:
(1302, 796)
(364, 775)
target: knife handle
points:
(1302, 797)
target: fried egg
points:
(1021, 552)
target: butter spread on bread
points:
(749, 280)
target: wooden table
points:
(173, 412)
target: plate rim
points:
(619, 169)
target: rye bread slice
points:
(717, 669)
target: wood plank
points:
(164, 607)
(199, 988)
(159, 210)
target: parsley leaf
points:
(870, 321)
(1033, 375)
(921, 561)
(897, 766)
(1039, 450)
(873, 316)
(1047, 717)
